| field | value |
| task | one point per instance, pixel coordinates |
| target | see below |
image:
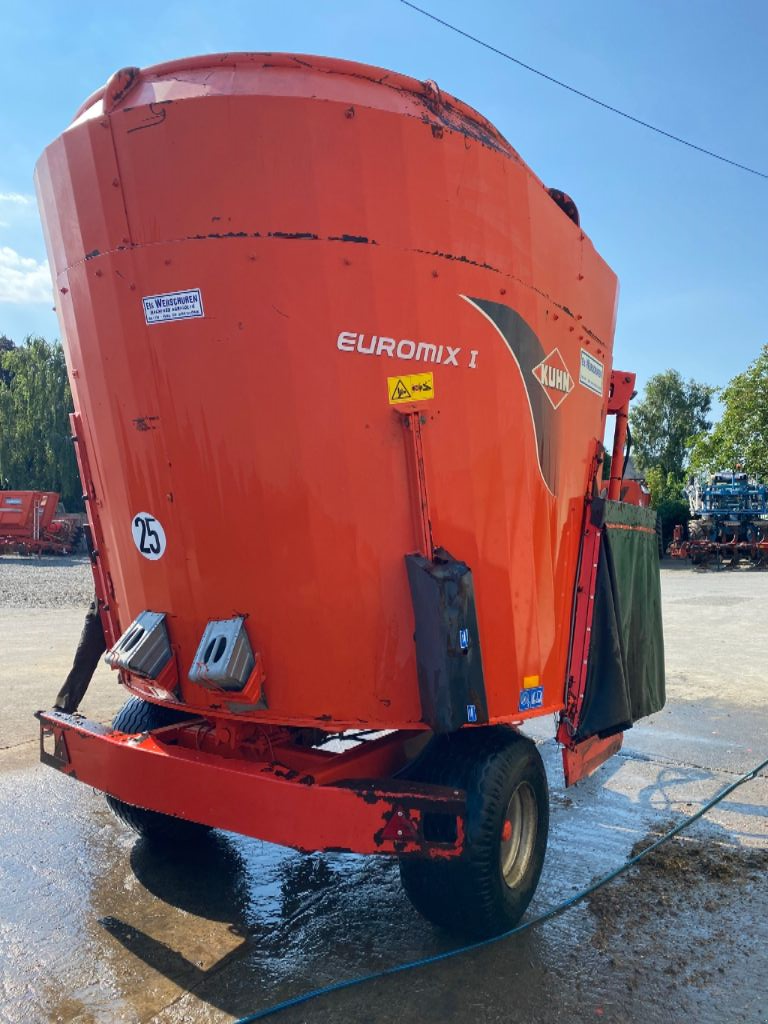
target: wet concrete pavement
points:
(96, 926)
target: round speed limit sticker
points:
(148, 535)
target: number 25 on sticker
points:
(148, 535)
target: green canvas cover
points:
(625, 671)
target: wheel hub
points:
(518, 834)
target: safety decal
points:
(552, 374)
(531, 698)
(471, 712)
(184, 305)
(591, 373)
(148, 535)
(413, 387)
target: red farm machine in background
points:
(341, 367)
(35, 522)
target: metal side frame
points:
(329, 805)
(581, 759)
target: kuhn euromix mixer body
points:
(341, 367)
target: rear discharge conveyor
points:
(341, 367)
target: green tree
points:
(666, 423)
(741, 436)
(36, 452)
(664, 489)
(6, 345)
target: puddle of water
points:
(99, 926)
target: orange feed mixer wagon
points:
(35, 522)
(341, 367)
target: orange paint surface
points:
(329, 231)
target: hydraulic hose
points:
(547, 915)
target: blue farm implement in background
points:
(729, 520)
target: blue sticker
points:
(471, 713)
(532, 698)
(463, 639)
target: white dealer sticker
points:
(173, 306)
(591, 373)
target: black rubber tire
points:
(138, 715)
(469, 896)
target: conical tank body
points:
(265, 266)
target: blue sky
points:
(686, 235)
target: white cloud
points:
(16, 198)
(23, 280)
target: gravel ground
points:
(42, 607)
(47, 582)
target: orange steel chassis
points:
(293, 253)
(310, 800)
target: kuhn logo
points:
(552, 374)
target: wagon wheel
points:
(486, 891)
(140, 716)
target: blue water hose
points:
(547, 915)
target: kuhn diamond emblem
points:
(553, 375)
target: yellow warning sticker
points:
(530, 682)
(414, 387)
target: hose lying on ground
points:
(411, 965)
